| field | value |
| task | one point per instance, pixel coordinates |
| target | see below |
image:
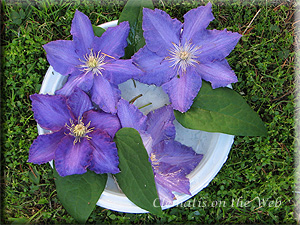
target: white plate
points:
(214, 146)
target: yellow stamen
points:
(154, 160)
(183, 56)
(94, 62)
(79, 130)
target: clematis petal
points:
(175, 181)
(62, 56)
(72, 158)
(147, 141)
(160, 124)
(44, 146)
(102, 121)
(195, 22)
(218, 73)
(131, 116)
(160, 31)
(79, 102)
(166, 196)
(105, 94)
(50, 111)
(183, 90)
(81, 80)
(105, 156)
(83, 34)
(176, 157)
(216, 44)
(113, 41)
(157, 69)
(119, 71)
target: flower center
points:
(79, 130)
(183, 56)
(93, 62)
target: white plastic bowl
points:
(214, 146)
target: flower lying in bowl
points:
(171, 161)
(93, 63)
(81, 137)
(178, 56)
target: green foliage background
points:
(257, 171)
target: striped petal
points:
(183, 90)
(160, 30)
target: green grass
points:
(257, 171)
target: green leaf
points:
(98, 31)
(221, 110)
(136, 178)
(80, 193)
(133, 13)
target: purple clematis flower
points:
(171, 161)
(178, 56)
(81, 138)
(93, 62)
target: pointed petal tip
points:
(115, 171)
(218, 73)
(125, 24)
(79, 13)
(33, 96)
(82, 32)
(113, 41)
(182, 108)
(236, 34)
(196, 21)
